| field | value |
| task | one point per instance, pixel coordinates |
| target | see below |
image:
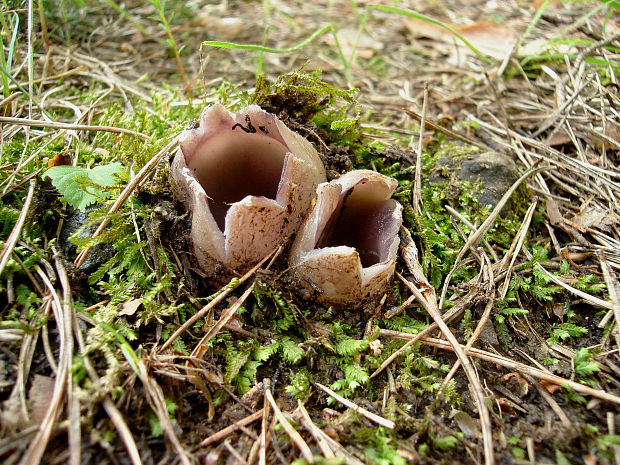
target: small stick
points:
(512, 365)
(225, 432)
(362, 411)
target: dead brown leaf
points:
(39, 398)
(492, 39)
(130, 307)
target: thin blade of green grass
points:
(127, 16)
(262, 48)
(428, 19)
(294, 48)
(534, 21)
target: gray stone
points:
(496, 172)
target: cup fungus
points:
(347, 247)
(248, 181)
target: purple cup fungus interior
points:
(360, 221)
(230, 167)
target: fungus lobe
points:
(348, 245)
(248, 181)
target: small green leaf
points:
(104, 175)
(79, 186)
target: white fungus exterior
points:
(248, 181)
(347, 248)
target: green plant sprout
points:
(160, 6)
(262, 49)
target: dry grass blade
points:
(515, 248)
(460, 217)
(123, 430)
(157, 401)
(584, 295)
(481, 323)
(484, 227)
(62, 315)
(613, 287)
(140, 176)
(73, 403)
(204, 310)
(417, 186)
(322, 438)
(76, 127)
(112, 411)
(550, 400)
(263, 440)
(225, 318)
(437, 127)
(307, 422)
(9, 245)
(292, 432)
(485, 419)
(362, 411)
(409, 252)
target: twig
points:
(227, 431)
(76, 127)
(361, 410)
(485, 419)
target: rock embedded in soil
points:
(495, 171)
(99, 254)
